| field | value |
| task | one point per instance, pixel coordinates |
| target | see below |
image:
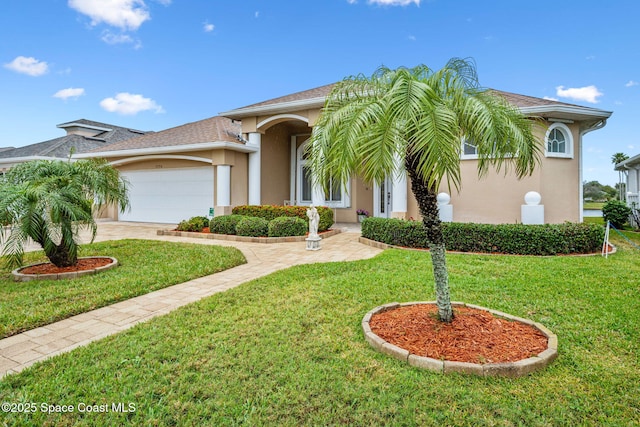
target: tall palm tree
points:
(49, 201)
(413, 120)
(622, 174)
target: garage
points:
(168, 195)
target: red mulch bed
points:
(83, 264)
(474, 336)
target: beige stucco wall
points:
(495, 198)
(274, 164)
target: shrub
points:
(253, 227)
(617, 212)
(225, 224)
(284, 226)
(196, 223)
(271, 212)
(548, 239)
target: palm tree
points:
(50, 201)
(615, 159)
(413, 120)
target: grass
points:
(288, 350)
(593, 205)
(145, 266)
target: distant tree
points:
(593, 190)
(597, 192)
(622, 175)
(51, 201)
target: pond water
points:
(592, 212)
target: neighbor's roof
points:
(213, 130)
(62, 147)
(631, 163)
(314, 98)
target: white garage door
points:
(169, 195)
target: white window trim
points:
(300, 162)
(568, 154)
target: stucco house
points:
(81, 136)
(255, 155)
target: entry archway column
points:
(399, 193)
(255, 140)
(223, 190)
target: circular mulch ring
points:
(48, 271)
(479, 341)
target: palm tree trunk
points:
(428, 206)
(61, 257)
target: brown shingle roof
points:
(520, 101)
(214, 129)
(318, 92)
(61, 147)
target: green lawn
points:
(145, 266)
(288, 350)
(593, 205)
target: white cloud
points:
(71, 92)
(393, 2)
(550, 98)
(111, 38)
(588, 93)
(125, 14)
(29, 66)
(352, 1)
(631, 83)
(208, 27)
(130, 104)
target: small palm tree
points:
(615, 159)
(50, 201)
(413, 121)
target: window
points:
(336, 197)
(469, 150)
(559, 141)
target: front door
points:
(382, 199)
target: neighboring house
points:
(82, 136)
(255, 155)
(632, 168)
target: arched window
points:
(559, 142)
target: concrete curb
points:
(233, 238)
(510, 369)
(20, 277)
(380, 245)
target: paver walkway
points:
(20, 351)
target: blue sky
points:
(155, 64)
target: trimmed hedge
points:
(196, 223)
(252, 226)
(285, 226)
(225, 224)
(520, 239)
(617, 212)
(271, 212)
